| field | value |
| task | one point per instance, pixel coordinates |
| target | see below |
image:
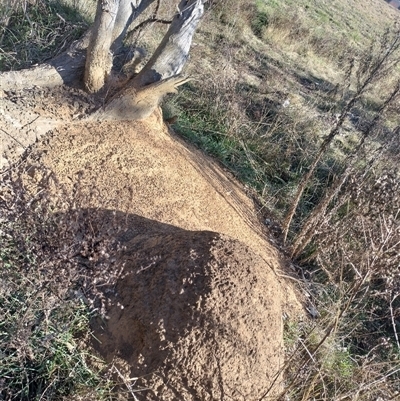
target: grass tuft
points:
(37, 31)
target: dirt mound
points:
(197, 312)
(139, 167)
(194, 315)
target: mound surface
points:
(194, 315)
(197, 310)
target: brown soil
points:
(28, 114)
(196, 312)
(196, 316)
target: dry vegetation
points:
(49, 255)
(305, 109)
(301, 100)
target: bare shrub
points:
(374, 68)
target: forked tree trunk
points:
(69, 66)
(94, 52)
(141, 95)
(161, 73)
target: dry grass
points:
(46, 292)
(34, 32)
(265, 99)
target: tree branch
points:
(99, 59)
(143, 23)
(127, 12)
(173, 51)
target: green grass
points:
(39, 348)
(268, 155)
(37, 33)
(207, 127)
(230, 152)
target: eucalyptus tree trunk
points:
(113, 19)
(161, 74)
(89, 62)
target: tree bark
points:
(132, 104)
(173, 52)
(143, 93)
(99, 58)
(63, 69)
(69, 66)
(161, 75)
(113, 18)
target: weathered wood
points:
(63, 69)
(137, 104)
(173, 52)
(142, 94)
(99, 58)
(69, 66)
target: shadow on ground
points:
(191, 314)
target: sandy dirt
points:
(26, 115)
(196, 312)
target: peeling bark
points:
(173, 52)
